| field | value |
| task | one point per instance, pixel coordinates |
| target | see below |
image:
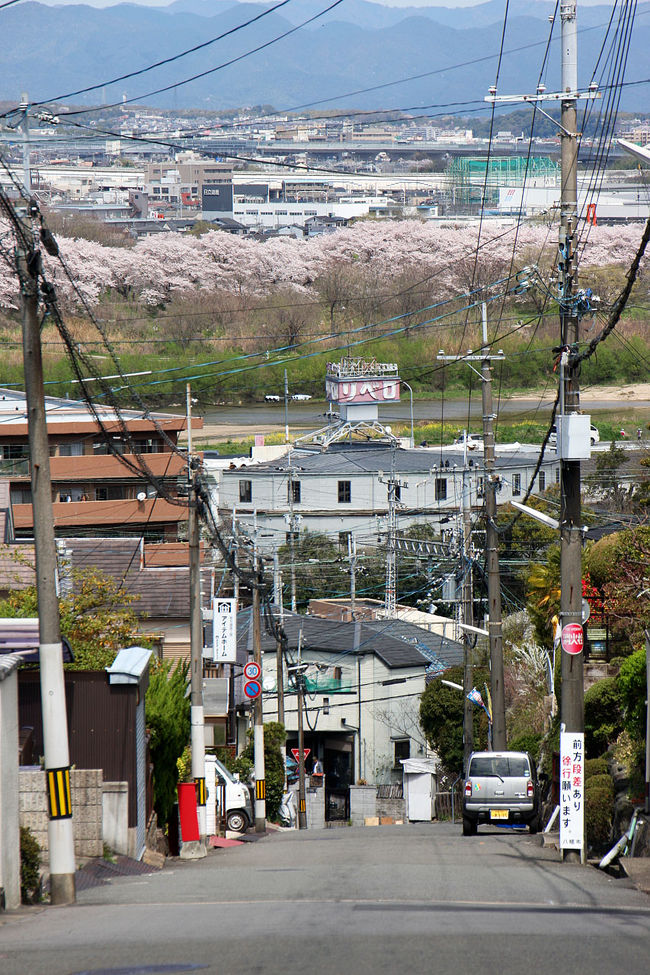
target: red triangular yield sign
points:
(296, 753)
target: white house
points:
(363, 688)
(344, 488)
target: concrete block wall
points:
(363, 803)
(9, 816)
(86, 788)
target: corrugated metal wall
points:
(140, 775)
(101, 725)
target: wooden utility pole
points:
(196, 643)
(495, 629)
(55, 725)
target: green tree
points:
(274, 739)
(441, 718)
(632, 685)
(168, 721)
(319, 566)
(603, 716)
(96, 617)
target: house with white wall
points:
(363, 687)
(344, 490)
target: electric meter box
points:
(573, 436)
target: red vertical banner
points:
(187, 812)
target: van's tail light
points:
(468, 789)
(529, 789)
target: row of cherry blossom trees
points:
(365, 260)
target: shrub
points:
(599, 800)
(168, 721)
(603, 716)
(596, 766)
(30, 863)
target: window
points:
(402, 750)
(101, 494)
(516, 484)
(71, 449)
(480, 487)
(293, 492)
(246, 491)
(345, 492)
(397, 490)
(541, 480)
(557, 475)
(343, 540)
(441, 489)
(13, 451)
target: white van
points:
(239, 807)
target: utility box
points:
(573, 436)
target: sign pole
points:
(258, 715)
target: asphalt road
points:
(392, 899)
(312, 414)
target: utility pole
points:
(258, 712)
(196, 641)
(352, 557)
(55, 725)
(286, 410)
(569, 448)
(572, 710)
(300, 684)
(394, 486)
(292, 540)
(495, 629)
(468, 616)
(279, 661)
(492, 549)
(235, 592)
(647, 722)
(27, 169)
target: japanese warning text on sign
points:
(224, 632)
(572, 792)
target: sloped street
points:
(359, 900)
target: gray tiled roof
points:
(369, 458)
(392, 641)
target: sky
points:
(386, 3)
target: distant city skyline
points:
(384, 3)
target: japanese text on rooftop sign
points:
(224, 631)
(572, 792)
(362, 390)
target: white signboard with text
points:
(572, 790)
(224, 632)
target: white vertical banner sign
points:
(572, 790)
(224, 631)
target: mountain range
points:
(360, 55)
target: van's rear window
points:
(499, 765)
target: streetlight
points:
(411, 392)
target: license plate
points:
(498, 813)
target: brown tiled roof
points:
(130, 514)
(10, 431)
(160, 592)
(166, 554)
(99, 467)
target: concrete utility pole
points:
(572, 709)
(279, 660)
(258, 711)
(492, 553)
(27, 169)
(468, 617)
(196, 643)
(55, 725)
(302, 795)
(352, 557)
